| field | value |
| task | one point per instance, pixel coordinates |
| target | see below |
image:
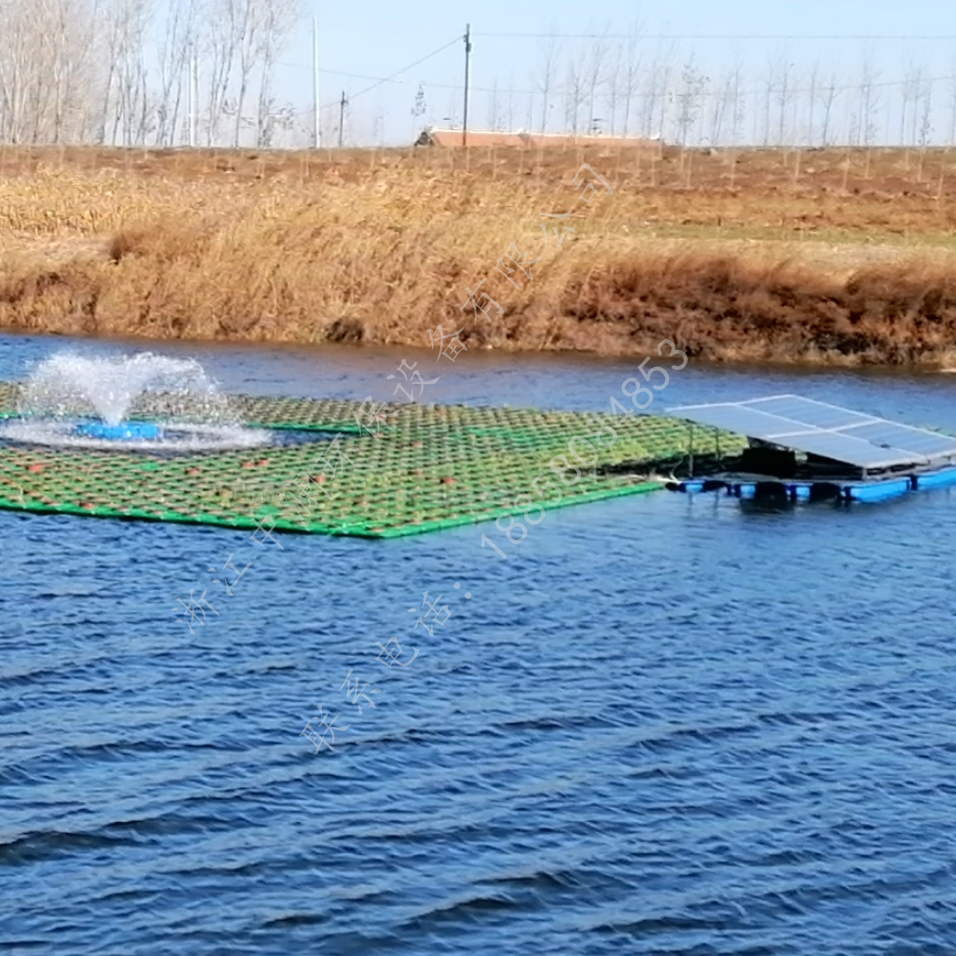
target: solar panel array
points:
(819, 428)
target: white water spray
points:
(65, 384)
(184, 404)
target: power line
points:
(354, 76)
(710, 36)
(379, 80)
(410, 66)
(777, 87)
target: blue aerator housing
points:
(124, 431)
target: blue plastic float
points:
(870, 491)
(124, 431)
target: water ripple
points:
(666, 726)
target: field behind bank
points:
(842, 256)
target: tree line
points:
(171, 72)
(619, 88)
(131, 72)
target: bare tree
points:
(574, 93)
(717, 111)
(125, 105)
(926, 125)
(829, 95)
(612, 85)
(492, 120)
(727, 106)
(13, 53)
(45, 70)
(689, 99)
(248, 23)
(649, 98)
(277, 24)
(869, 99)
(593, 74)
(783, 98)
(632, 69)
(740, 104)
(654, 94)
(952, 104)
(545, 81)
(132, 98)
(173, 54)
(665, 97)
(223, 22)
(814, 84)
(912, 81)
(767, 99)
(65, 66)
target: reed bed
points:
(826, 257)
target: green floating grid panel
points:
(430, 467)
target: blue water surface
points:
(661, 725)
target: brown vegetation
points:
(817, 256)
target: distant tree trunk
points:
(593, 74)
(768, 91)
(550, 53)
(631, 77)
(574, 94)
(783, 101)
(612, 81)
(222, 29)
(952, 104)
(830, 93)
(814, 76)
(492, 120)
(279, 21)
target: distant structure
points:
(478, 137)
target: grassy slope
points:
(817, 256)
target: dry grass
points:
(824, 256)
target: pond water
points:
(662, 725)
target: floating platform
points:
(804, 450)
(430, 467)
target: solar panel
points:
(852, 451)
(903, 436)
(743, 420)
(819, 428)
(808, 412)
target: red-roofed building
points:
(481, 137)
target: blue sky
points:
(374, 39)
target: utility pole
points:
(464, 125)
(316, 135)
(342, 103)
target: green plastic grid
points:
(434, 467)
